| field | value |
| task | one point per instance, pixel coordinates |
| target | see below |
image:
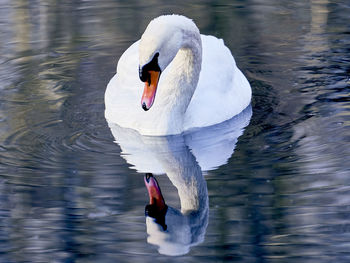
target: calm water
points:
(68, 193)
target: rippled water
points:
(278, 193)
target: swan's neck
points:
(178, 83)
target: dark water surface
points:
(67, 193)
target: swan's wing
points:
(222, 90)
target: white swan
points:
(195, 76)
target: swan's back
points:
(222, 91)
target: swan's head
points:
(158, 46)
(167, 228)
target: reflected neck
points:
(192, 191)
(186, 175)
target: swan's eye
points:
(150, 66)
(144, 75)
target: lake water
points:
(276, 191)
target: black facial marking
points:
(150, 66)
(158, 215)
(148, 176)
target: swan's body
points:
(200, 84)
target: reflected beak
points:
(150, 90)
(155, 195)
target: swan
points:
(190, 81)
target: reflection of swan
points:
(199, 82)
(173, 231)
(211, 146)
(170, 155)
(182, 158)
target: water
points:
(278, 193)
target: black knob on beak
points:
(150, 66)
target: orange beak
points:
(149, 92)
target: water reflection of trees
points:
(300, 181)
